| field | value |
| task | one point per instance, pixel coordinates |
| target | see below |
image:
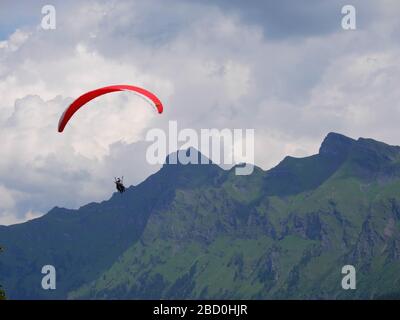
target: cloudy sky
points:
(285, 68)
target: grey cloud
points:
(286, 19)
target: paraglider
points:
(86, 97)
(119, 183)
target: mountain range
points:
(201, 232)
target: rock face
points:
(197, 231)
(336, 145)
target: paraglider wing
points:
(85, 98)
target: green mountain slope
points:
(82, 243)
(2, 293)
(197, 231)
(285, 233)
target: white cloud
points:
(7, 200)
(15, 41)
